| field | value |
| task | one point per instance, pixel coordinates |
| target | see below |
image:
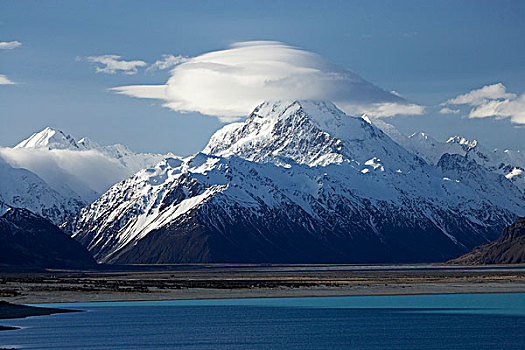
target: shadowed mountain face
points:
(509, 248)
(300, 181)
(28, 240)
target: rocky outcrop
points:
(509, 248)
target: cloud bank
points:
(493, 101)
(112, 64)
(479, 96)
(230, 83)
(5, 80)
(87, 173)
(9, 45)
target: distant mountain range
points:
(300, 181)
(509, 163)
(54, 176)
(296, 182)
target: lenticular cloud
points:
(230, 83)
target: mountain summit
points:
(49, 139)
(308, 132)
(299, 181)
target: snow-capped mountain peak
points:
(466, 144)
(87, 143)
(421, 136)
(313, 133)
(23, 188)
(49, 139)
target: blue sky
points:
(428, 51)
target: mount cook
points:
(300, 181)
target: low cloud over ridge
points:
(230, 83)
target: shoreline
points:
(191, 282)
(10, 311)
(278, 297)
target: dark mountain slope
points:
(509, 248)
(28, 240)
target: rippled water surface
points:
(463, 321)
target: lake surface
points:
(463, 321)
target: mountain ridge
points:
(348, 196)
(49, 138)
(509, 163)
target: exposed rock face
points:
(28, 240)
(509, 248)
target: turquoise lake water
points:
(462, 321)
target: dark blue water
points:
(469, 321)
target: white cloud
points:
(112, 63)
(144, 91)
(396, 93)
(493, 101)
(480, 96)
(167, 62)
(9, 45)
(512, 108)
(446, 110)
(384, 109)
(5, 80)
(230, 83)
(85, 172)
